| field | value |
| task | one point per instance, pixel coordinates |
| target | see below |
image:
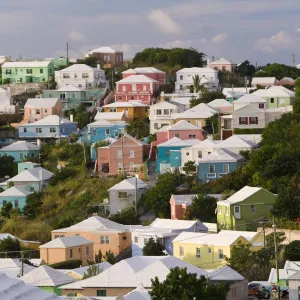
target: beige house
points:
(223, 65)
(67, 248)
(105, 234)
(38, 108)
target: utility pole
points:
(59, 125)
(22, 263)
(246, 85)
(276, 256)
(67, 53)
(122, 151)
(136, 190)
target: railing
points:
(211, 175)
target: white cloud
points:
(76, 36)
(219, 38)
(164, 22)
(281, 40)
(298, 30)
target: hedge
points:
(248, 131)
(69, 264)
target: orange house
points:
(67, 248)
(38, 108)
(105, 234)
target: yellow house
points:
(208, 251)
(133, 109)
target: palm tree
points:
(196, 87)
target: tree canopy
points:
(10, 245)
(206, 96)
(8, 166)
(245, 69)
(153, 248)
(138, 128)
(292, 251)
(278, 70)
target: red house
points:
(150, 72)
(137, 87)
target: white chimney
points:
(39, 143)
(207, 61)
(98, 66)
(71, 118)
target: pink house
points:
(183, 130)
(150, 72)
(38, 108)
(126, 153)
(223, 65)
(136, 87)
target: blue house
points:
(20, 150)
(51, 127)
(16, 196)
(167, 155)
(218, 164)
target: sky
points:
(262, 31)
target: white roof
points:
(134, 271)
(222, 61)
(79, 68)
(36, 261)
(175, 224)
(143, 70)
(66, 242)
(181, 199)
(70, 88)
(137, 79)
(274, 91)
(140, 293)
(248, 235)
(283, 275)
(46, 276)
(177, 142)
(250, 98)
(105, 49)
(292, 265)
(20, 146)
(196, 70)
(12, 289)
(254, 138)
(241, 195)
(288, 79)
(131, 103)
(109, 116)
(225, 274)
(49, 120)
(221, 155)
(183, 125)
(217, 103)
(12, 267)
(236, 141)
(263, 80)
(207, 143)
(128, 184)
(94, 223)
(41, 102)
(15, 191)
(201, 111)
(282, 109)
(26, 64)
(83, 270)
(34, 175)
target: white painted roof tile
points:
(221, 155)
(50, 120)
(15, 191)
(33, 174)
(183, 125)
(109, 116)
(66, 242)
(223, 61)
(26, 64)
(128, 184)
(137, 79)
(41, 102)
(20, 146)
(225, 274)
(131, 103)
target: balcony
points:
(211, 175)
(163, 117)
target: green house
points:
(27, 72)
(242, 209)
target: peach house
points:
(126, 153)
(105, 234)
(67, 248)
(223, 65)
(150, 72)
(183, 130)
(137, 87)
(38, 108)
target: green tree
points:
(245, 69)
(100, 144)
(292, 251)
(8, 166)
(278, 70)
(11, 246)
(181, 285)
(99, 257)
(138, 128)
(92, 270)
(109, 257)
(296, 106)
(205, 97)
(127, 216)
(190, 168)
(6, 210)
(153, 248)
(196, 87)
(203, 207)
(33, 205)
(82, 119)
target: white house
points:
(5, 102)
(82, 76)
(264, 81)
(250, 99)
(125, 194)
(163, 230)
(162, 113)
(184, 79)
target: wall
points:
(99, 133)
(175, 158)
(294, 289)
(21, 201)
(238, 291)
(31, 115)
(113, 60)
(131, 112)
(177, 211)
(110, 292)
(19, 156)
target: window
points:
(41, 71)
(200, 154)
(94, 131)
(166, 111)
(52, 129)
(270, 207)
(8, 72)
(24, 129)
(212, 169)
(71, 253)
(104, 239)
(38, 130)
(120, 97)
(62, 96)
(167, 152)
(16, 203)
(37, 111)
(29, 71)
(261, 105)
(87, 250)
(226, 211)
(124, 238)
(181, 251)
(243, 120)
(192, 136)
(116, 133)
(122, 195)
(85, 75)
(107, 131)
(136, 239)
(272, 100)
(144, 88)
(46, 110)
(158, 112)
(187, 153)
(79, 250)
(155, 125)
(131, 153)
(181, 77)
(101, 293)
(236, 209)
(220, 254)
(253, 120)
(181, 87)
(220, 210)
(177, 135)
(113, 110)
(132, 97)
(146, 240)
(120, 166)
(252, 209)
(209, 250)
(119, 153)
(198, 252)
(21, 155)
(226, 168)
(66, 75)
(106, 58)
(208, 152)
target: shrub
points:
(69, 264)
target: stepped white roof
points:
(264, 80)
(181, 199)
(183, 125)
(292, 265)
(207, 143)
(105, 49)
(250, 98)
(128, 184)
(143, 70)
(12, 267)
(175, 224)
(83, 270)
(275, 91)
(225, 274)
(20, 146)
(221, 155)
(79, 68)
(15, 191)
(140, 293)
(137, 79)
(130, 103)
(222, 61)
(196, 70)
(41, 102)
(11, 289)
(66, 242)
(201, 111)
(26, 64)
(236, 141)
(70, 88)
(34, 175)
(109, 116)
(177, 142)
(52, 120)
(46, 276)
(217, 103)
(248, 235)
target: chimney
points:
(207, 61)
(71, 118)
(39, 143)
(98, 66)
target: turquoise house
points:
(167, 156)
(16, 196)
(20, 150)
(218, 164)
(22, 166)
